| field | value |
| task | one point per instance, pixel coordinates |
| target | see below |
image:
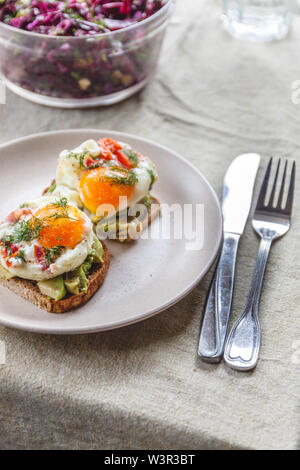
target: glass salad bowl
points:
(82, 71)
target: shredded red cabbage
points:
(76, 17)
(87, 66)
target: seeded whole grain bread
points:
(29, 290)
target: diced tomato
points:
(124, 160)
(110, 144)
(106, 154)
(16, 215)
(14, 248)
(90, 162)
(4, 253)
(11, 218)
(14, 254)
(39, 255)
(8, 254)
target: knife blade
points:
(236, 203)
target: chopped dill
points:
(63, 202)
(25, 231)
(152, 176)
(147, 201)
(52, 253)
(79, 156)
(122, 176)
(20, 255)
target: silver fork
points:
(271, 222)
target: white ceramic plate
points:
(145, 277)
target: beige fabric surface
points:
(143, 387)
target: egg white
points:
(69, 260)
(68, 170)
(72, 195)
(69, 173)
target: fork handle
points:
(243, 343)
(218, 303)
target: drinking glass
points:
(258, 20)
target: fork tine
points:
(264, 186)
(290, 197)
(272, 195)
(280, 197)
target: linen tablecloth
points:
(143, 387)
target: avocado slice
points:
(98, 250)
(75, 281)
(53, 288)
(83, 279)
(5, 274)
(88, 263)
(72, 282)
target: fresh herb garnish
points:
(121, 176)
(59, 215)
(52, 188)
(63, 202)
(6, 242)
(79, 156)
(133, 157)
(97, 164)
(20, 255)
(26, 230)
(52, 253)
(147, 201)
(152, 176)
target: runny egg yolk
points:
(97, 189)
(60, 226)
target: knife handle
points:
(218, 304)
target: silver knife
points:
(236, 203)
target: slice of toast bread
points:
(29, 290)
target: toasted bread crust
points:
(29, 290)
